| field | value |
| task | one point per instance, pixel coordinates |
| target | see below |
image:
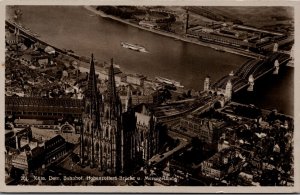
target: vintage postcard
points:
(133, 96)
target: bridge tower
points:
(228, 90)
(276, 66)
(292, 52)
(207, 83)
(275, 47)
(291, 62)
(251, 83)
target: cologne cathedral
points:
(112, 140)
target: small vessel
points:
(218, 49)
(169, 81)
(134, 47)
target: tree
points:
(162, 95)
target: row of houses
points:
(27, 151)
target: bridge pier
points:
(251, 83)
(276, 66)
(275, 47)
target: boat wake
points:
(145, 51)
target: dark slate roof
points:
(47, 102)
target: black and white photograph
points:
(149, 95)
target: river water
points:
(75, 28)
(272, 92)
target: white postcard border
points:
(155, 189)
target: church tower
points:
(92, 94)
(228, 90)
(113, 109)
(112, 137)
(91, 118)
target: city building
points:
(222, 163)
(31, 152)
(147, 134)
(42, 108)
(54, 149)
(120, 79)
(135, 79)
(207, 130)
(138, 99)
(141, 134)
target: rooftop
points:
(37, 101)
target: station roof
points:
(37, 101)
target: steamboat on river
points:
(134, 47)
(169, 81)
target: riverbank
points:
(175, 36)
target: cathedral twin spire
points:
(112, 97)
(109, 131)
(93, 96)
(92, 80)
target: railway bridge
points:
(22, 32)
(220, 92)
(252, 70)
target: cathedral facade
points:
(101, 133)
(110, 139)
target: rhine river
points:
(83, 32)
